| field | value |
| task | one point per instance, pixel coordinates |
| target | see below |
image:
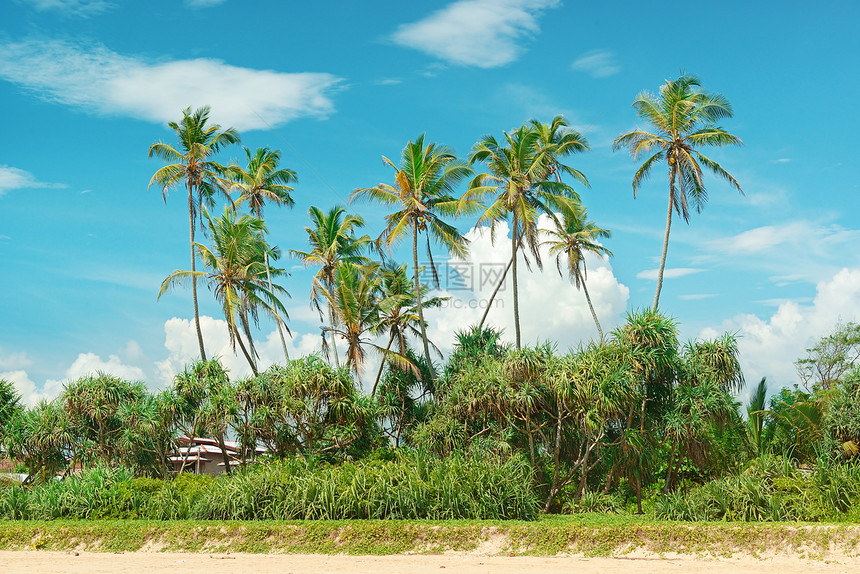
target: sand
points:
(459, 563)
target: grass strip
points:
(589, 535)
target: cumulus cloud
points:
(17, 360)
(769, 347)
(82, 8)
(14, 178)
(99, 80)
(85, 364)
(180, 340)
(597, 64)
(551, 308)
(481, 33)
(671, 273)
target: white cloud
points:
(672, 273)
(83, 8)
(14, 178)
(104, 82)
(204, 3)
(551, 308)
(695, 296)
(597, 64)
(807, 236)
(180, 340)
(769, 347)
(85, 364)
(481, 33)
(18, 360)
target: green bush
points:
(770, 490)
(413, 485)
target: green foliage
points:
(412, 485)
(770, 489)
(832, 357)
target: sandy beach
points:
(460, 563)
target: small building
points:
(200, 455)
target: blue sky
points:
(88, 85)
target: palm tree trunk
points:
(514, 243)
(269, 280)
(382, 364)
(194, 273)
(331, 327)
(245, 351)
(418, 295)
(493, 296)
(590, 306)
(665, 238)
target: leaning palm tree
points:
(683, 119)
(191, 163)
(262, 182)
(236, 275)
(572, 237)
(525, 171)
(332, 243)
(423, 190)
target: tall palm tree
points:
(332, 244)
(572, 237)
(191, 162)
(262, 182)
(423, 190)
(237, 275)
(525, 171)
(683, 119)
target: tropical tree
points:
(260, 183)
(41, 438)
(201, 403)
(683, 119)
(398, 310)
(190, 162)
(571, 238)
(237, 275)
(333, 244)
(356, 301)
(525, 171)
(10, 404)
(756, 415)
(423, 192)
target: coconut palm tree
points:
(332, 243)
(262, 182)
(572, 237)
(682, 118)
(422, 192)
(356, 301)
(525, 171)
(398, 310)
(237, 275)
(191, 162)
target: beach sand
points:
(459, 563)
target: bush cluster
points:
(411, 486)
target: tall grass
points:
(772, 490)
(413, 486)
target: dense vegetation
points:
(634, 421)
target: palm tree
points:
(236, 274)
(573, 237)
(191, 163)
(260, 183)
(398, 310)
(356, 302)
(332, 243)
(526, 172)
(423, 188)
(683, 119)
